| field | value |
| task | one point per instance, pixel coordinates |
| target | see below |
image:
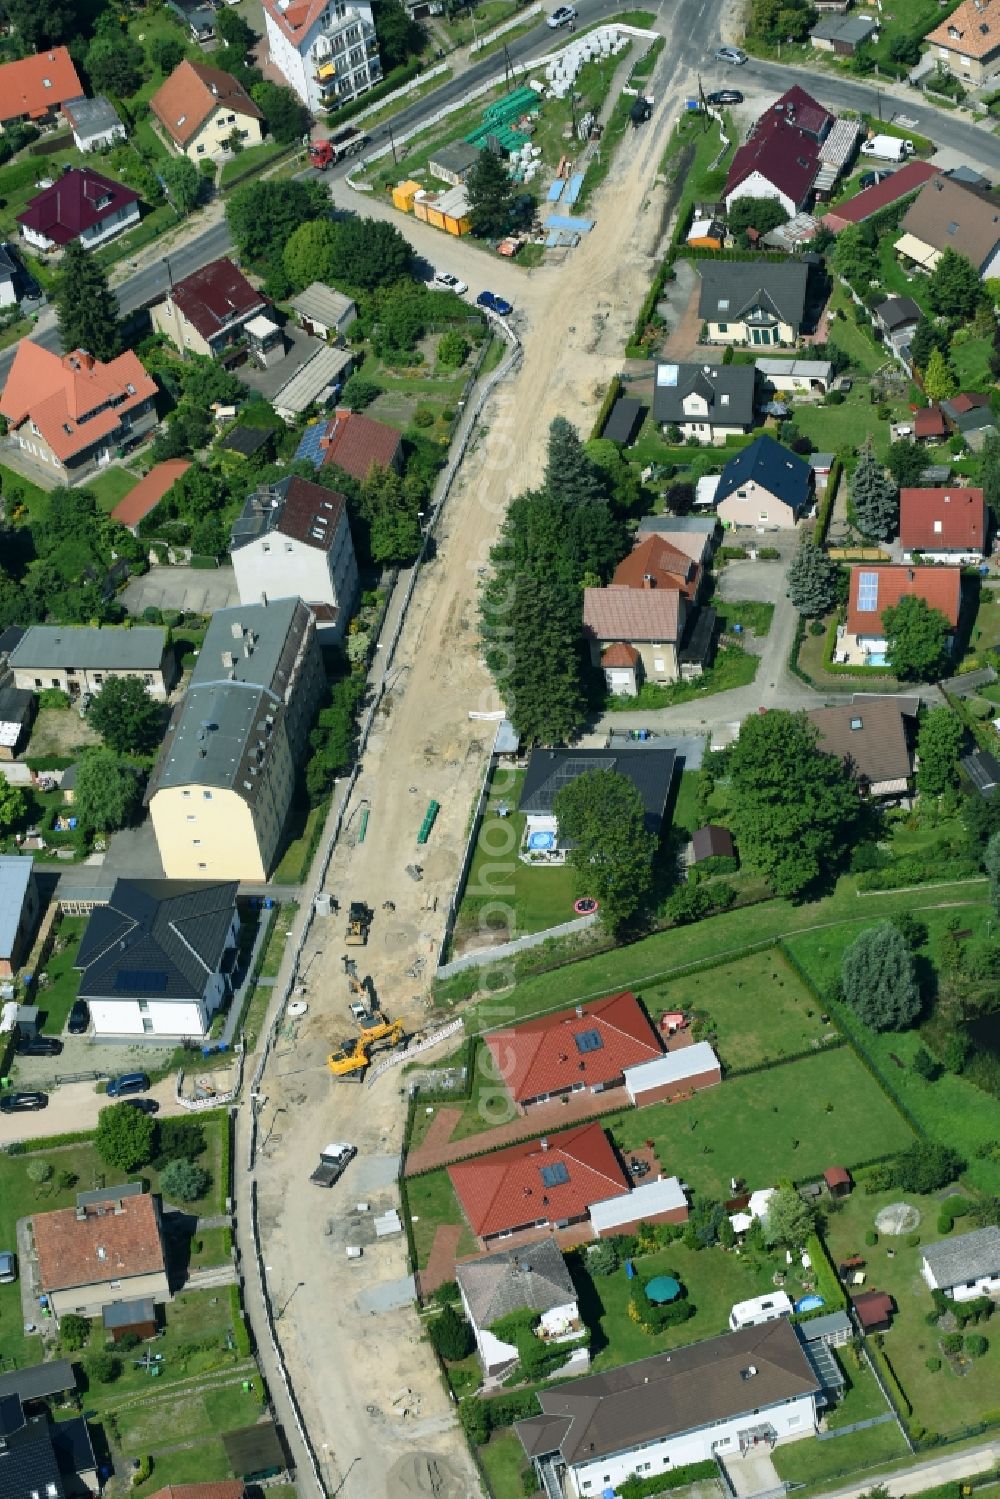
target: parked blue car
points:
(496, 304)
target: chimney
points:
(263, 601)
(236, 630)
(543, 1143)
(648, 581)
(579, 1012)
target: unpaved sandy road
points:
(342, 1359)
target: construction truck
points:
(346, 142)
(333, 1161)
(359, 920)
(352, 1058)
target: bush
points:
(423, 417)
(127, 1342)
(976, 1345)
(184, 1181)
(604, 1259)
(871, 1238)
(952, 1342)
(359, 392)
(142, 1470)
(39, 1171)
(450, 1335)
(913, 1240)
(835, 398)
(446, 1293)
(933, 1364)
(53, 697)
(104, 1367)
(178, 1140)
(74, 1332)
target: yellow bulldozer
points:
(352, 1058)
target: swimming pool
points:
(541, 840)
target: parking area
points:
(300, 348)
(186, 588)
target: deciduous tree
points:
(125, 716)
(13, 805)
(879, 980)
(788, 1220)
(165, 52)
(124, 1137)
(287, 118)
(855, 257)
(182, 180)
(793, 808)
(368, 253)
(906, 462)
(107, 791)
(184, 1181)
(234, 31)
(263, 215)
(916, 640)
(812, 581)
(601, 814)
(939, 745)
(86, 309)
(762, 214)
(399, 36)
(875, 496)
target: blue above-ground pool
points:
(541, 840)
(809, 1303)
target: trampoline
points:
(541, 840)
(663, 1289)
(809, 1303)
(585, 906)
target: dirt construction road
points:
(348, 1353)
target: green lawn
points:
(21, 491)
(432, 1202)
(733, 667)
(112, 485)
(865, 355)
(811, 1462)
(211, 1246)
(971, 363)
(253, 159)
(821, 1111)
(985, 632)
(685, 813)
(201, 1462)
(303, 822)
(171, 1419)
(504, 1460)
(195, 1344)
(756, 1009)
(946, 1400)
(56, 998)
(280, 932)
(950, 1109)
(833, 427)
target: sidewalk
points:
(917, 1477)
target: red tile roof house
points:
(538, 1185)
(355, 443)
(208, 310)
(648, 619)
(781, 158)
(942, 525)
(861, 641)
(75, 413)
(148, 493)
(34, 88)
(82, 205)
(101, 1251)
(892, 189)
(586, 1047)
(929, 424)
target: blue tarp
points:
(555, 191)
(573, 191)
(564, 221)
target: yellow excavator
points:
(352, 1058)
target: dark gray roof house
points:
(651, 772)
(983, 770)
(162, 938)
(897, 313)
(27, 1458)
(734, 289)
(728, 390)
(964, 1261)
(533, 1277)
(670, 1394)
(774, 468)
(39, 1381)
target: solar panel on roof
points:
(310, 444)
(555, 1175)
(867, 593)
(588, 1041)
(139, 981)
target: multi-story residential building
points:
(326, 49)
(208, 310)
(223, 784)
(75, 413)
(293, 540)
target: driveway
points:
(75, 1107)
(752, 1473)
(300, 347)
(186, 588)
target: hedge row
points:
(390, 83)
(897, 1395)
(613, 392)
(827, 1280)
(241, 1336)
(826, 509)
(645, 1488)
(795, 1056)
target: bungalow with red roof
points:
(208, 310)
(74, 413)
(539, 1185)
(356, 444)
(82, 204)
(147, 494)
(34, 88)
(943, 525)
(588, 1046)
(893, 188)
(861, 640)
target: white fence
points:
(396, 1057)
(499, 31)
(217, 1100)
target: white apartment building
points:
(326, 49)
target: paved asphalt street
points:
(693, 28)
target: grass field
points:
(143, 1428)
(432, 1202)
(756, 1007)
(814, 1462)
(834, 427)
(792, 1122)
(55, 999)
(201, 1462)
(112, 485)
(945, 1400)
(504, 1460)
(860, 349)
(275, 949)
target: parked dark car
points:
(19, 1103)
(144, 1105)
(79, 1019)
(496, 304)
(725, 96)
(38, 1046)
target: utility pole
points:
(392, 143)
